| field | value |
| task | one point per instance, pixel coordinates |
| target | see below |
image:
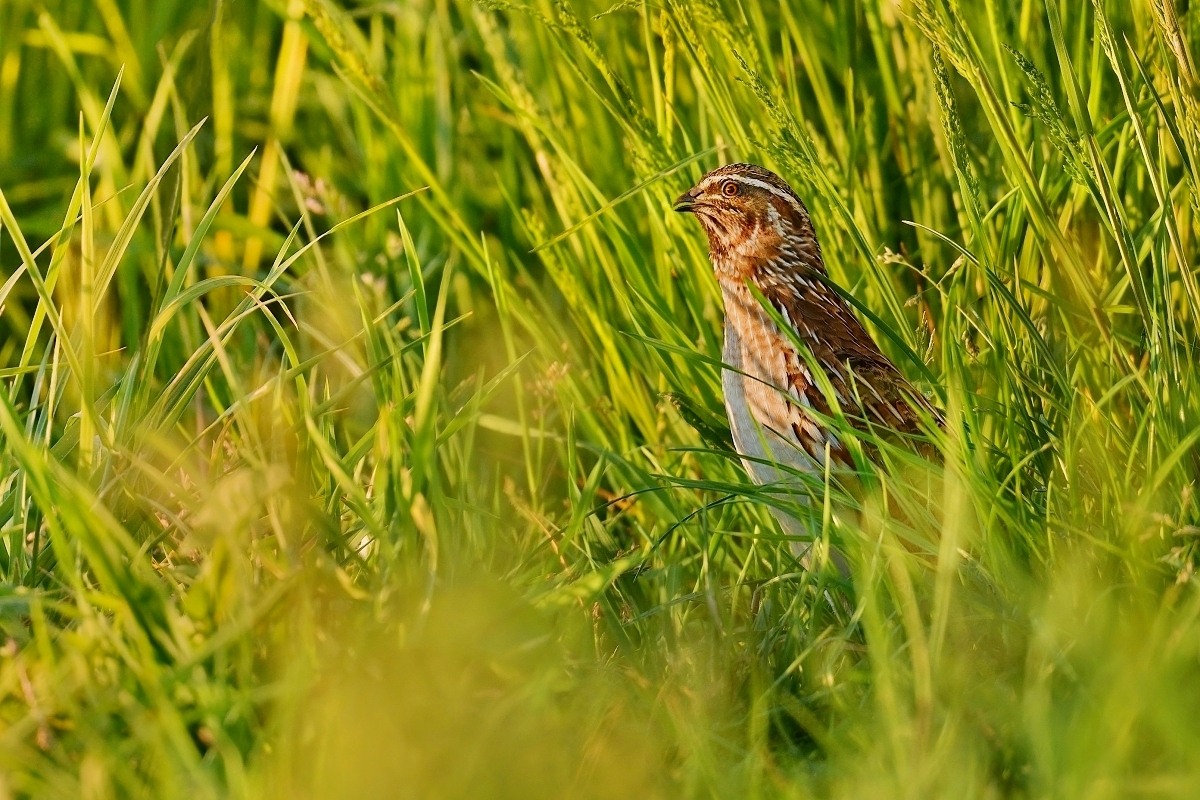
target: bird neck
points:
(787, 279)
(767, 257)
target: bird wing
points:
(886, 398)
(866, 384)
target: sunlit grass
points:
(360, 421)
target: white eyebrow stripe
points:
(775, 190)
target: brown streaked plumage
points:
(760, 234)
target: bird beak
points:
(685, 201)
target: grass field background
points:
(360, 423)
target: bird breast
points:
(758, 392)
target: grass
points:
(360, 422)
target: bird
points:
(766, 258)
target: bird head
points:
(750, 213)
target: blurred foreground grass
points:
(361, 427)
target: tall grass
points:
(360, 422)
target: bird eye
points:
(729, 188)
